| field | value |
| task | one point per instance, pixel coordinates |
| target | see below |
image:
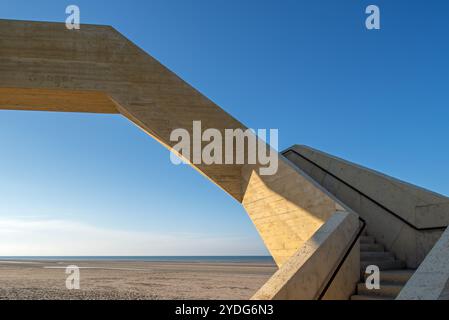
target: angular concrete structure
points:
(312, 217)
(406, 219)
(404, 222)
(46, 67)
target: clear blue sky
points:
(308, 68)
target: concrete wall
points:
(344, 284)
(417, 206)
(286, 208)
(45, 67)
(431, 280)
(445, 293)
(304, 276)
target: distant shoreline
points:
(191, 259)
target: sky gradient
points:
(77, 184)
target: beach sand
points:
(125, 280)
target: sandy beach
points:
(125, 280)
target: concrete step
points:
(371, 247)
(386, 290)
(376, 256)
(367, 239)
(362, 297)
(383, 265)
(394, 276)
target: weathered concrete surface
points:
(287, 208)
(418, 206)
(305, 275)
(445, 293)
(45, 67)
(344, 284)
(430, 281)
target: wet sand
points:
(125, 280)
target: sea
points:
(212, 259)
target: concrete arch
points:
(44, 66)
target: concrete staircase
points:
(393, 272)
